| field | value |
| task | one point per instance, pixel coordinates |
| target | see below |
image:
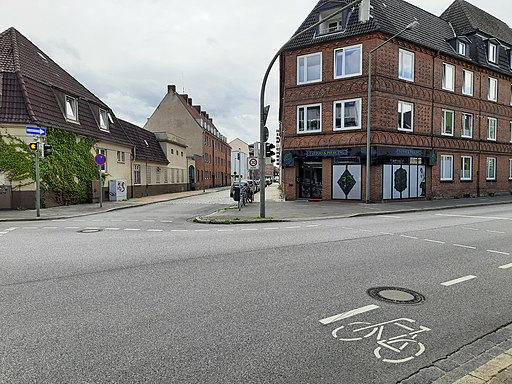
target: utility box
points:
(117, 190)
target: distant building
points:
(206, 146)
(239, 157)
(441, 96)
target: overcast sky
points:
(216, 51)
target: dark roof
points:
(32, 85)
(147, 147)
(392, 16)
(466, 19)
(389, 16)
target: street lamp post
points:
(261, 156)
(369, 104)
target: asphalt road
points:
(144, 295)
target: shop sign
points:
(327, 152)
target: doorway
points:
(310, 180)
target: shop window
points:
(309, 118)
(446, 167)
(490, 166)
(405, 116)
(347, 114)
(466, 163)
(309, 68)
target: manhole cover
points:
(89, 230)
(396, 295)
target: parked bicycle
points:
(399, 348)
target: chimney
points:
(189, 101)
(185, 97)
(171, 88)
(210, 120)
(197, 108)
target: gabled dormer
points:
(336, 24)
(493, 50)
(460, 45)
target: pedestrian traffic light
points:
(269, 149)
(33, 146)
(47, 150)
(251, 149)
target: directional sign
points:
(253, 163)
(100, 159)
(36, 131)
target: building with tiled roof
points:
(36, 91)
(440, 98)
(206, 146)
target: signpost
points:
(100, 159)
(35, 147)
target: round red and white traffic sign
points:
(253, 162)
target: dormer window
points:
(336, 24)
(492, 52)
(72, 108)
(461, 48)
(104, 120)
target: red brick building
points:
(441, 96)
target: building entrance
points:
(310, 183)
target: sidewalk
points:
(484, 361)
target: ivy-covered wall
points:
(66, 173)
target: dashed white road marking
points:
(116, 220)
(408, 237)
(366, 230)
(72, 227)
(202, 230)
(49, 227)
(59, 220)
(179, 230)
(131, 229)
(500, 232)
(29, 227)
(294, 227)
(271, 229)
(312, 225)
(459, 280)
(435, 241)
(249, 229)
(166, 221)
(506, 266)
(225, 230)
(387, 233)
(498, 252)
(112, 229)
(346, 315)
(464, 246)
(132, 221)
(155, 230)
(148, 221)
(350, 229)
(11, 229)
(393, 217)
(470, 229)
(4, 233)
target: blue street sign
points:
(36, 131)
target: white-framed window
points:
(466, 164)
(104, 120)
(447, 122)
(511, 131)
(348, 61)
(101, 151)
(405, 65)
(448, 77)
(493, 89)
(492, 124)
(490, 168)
(461, 48)
(467, 82)
(492, 52)
(467, 125)
(446, 167)
(120, 157)
(309, 118)
(71, 108)
(510, 169)
(347, 114)
(136, 173)
(309, 68)
(405, 116)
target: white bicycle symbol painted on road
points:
(396, 349)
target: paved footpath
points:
(486, 360)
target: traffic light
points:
(251, 149)
(47, 150)
(269, 149)
(33, 146)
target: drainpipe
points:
(432, 111)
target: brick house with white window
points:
(441, 96)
